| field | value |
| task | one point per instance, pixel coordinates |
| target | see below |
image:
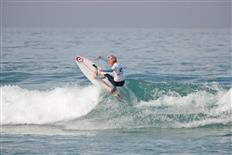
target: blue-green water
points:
(177, 97)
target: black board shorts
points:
(114, 83)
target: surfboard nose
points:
(79, 59)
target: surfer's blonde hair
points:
(113, 57)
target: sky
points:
(116, 13)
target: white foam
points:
(193, 102)
(216, 107)
(224, 104)
(22, 106)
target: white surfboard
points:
(89, 69)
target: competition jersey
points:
(117, 72)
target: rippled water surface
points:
(177, 97)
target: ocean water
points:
(177, 97)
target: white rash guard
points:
(118, 72)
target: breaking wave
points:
(167, 105)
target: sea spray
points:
(22, 106)
(85, 107)
(175, 108)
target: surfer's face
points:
(110, 61)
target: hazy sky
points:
(112, 13)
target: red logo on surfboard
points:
(79, 59)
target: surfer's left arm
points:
(107, 70)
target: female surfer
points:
(115, 74)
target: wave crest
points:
(22, 106)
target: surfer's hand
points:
(100, 70)
(98, 57)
